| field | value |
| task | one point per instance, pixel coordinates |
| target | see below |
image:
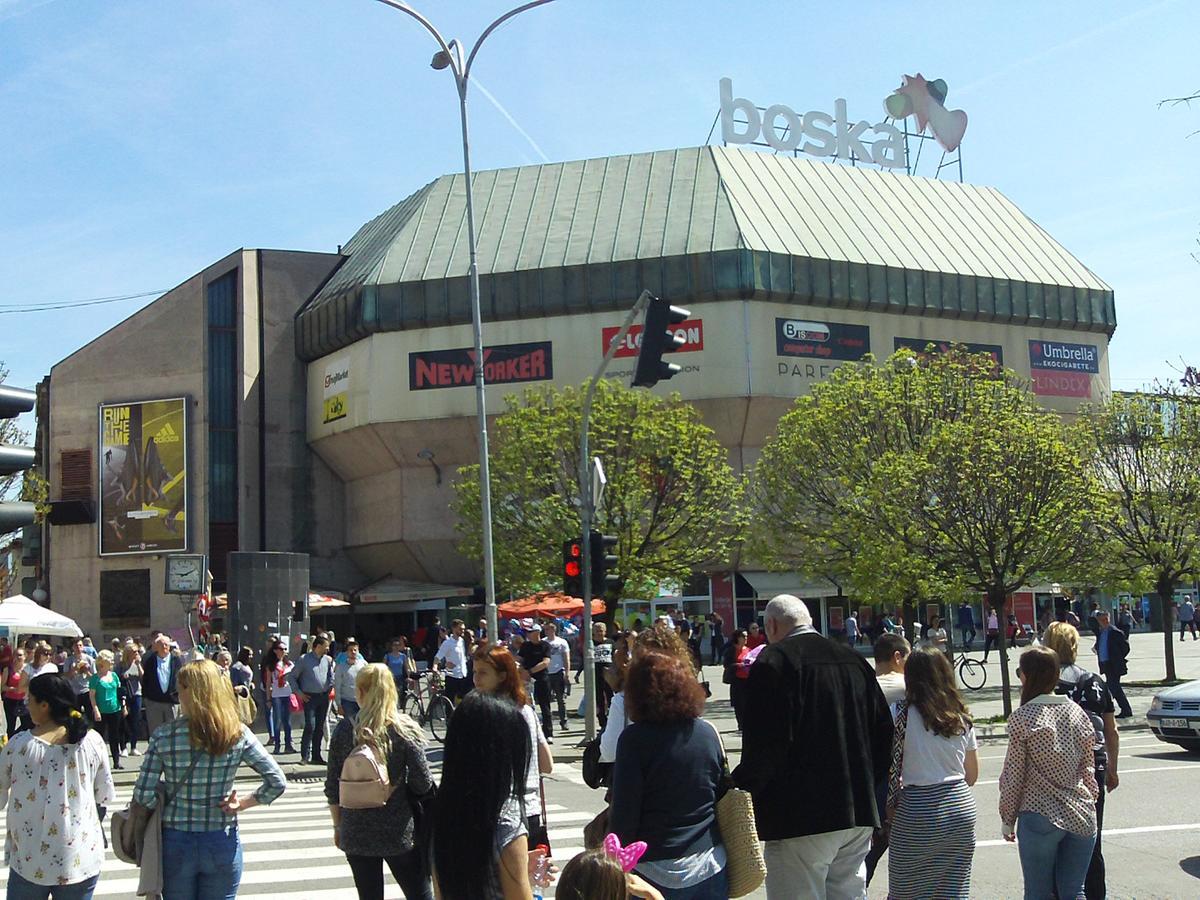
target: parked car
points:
(1174, 716)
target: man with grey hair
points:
(816, 741)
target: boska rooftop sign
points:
(815, 133)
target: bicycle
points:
(434, 715)
(972, 672)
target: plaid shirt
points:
(196, 806)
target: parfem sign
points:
(815, 133)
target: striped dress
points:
(932, 842)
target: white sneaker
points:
(135, 752)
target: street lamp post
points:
(450, 56)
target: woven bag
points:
(745, 868)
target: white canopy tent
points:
(20, 615)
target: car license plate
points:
(1174, 723)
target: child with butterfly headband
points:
(606, 874)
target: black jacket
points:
(1118, 652)
(816, 738)
(664, 788)
(150, 686)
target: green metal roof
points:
(695, 225)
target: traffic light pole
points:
(585, 493)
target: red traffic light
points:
(575, 551)
(573, 569)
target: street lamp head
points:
(441, 60)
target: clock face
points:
(184, 574)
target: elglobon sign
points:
(815, 133)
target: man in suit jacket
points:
(1112, 649)
(817, 740)
(160, 690)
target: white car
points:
(1174, 716)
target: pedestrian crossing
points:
(288, 850)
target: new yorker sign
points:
(815, 132)
(503, 364)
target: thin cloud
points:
(511, 121)
(1064, 45)
(10, 9)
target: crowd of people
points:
(845, 761)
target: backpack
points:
(1078, 691)
(364, 782)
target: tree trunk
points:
(996, 601)
(1166, 598)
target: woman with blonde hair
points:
(198, 756)
(388, 833)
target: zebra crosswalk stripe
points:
(288, 850)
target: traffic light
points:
(657, 339)
(14, 458)
(572, 568)
(601, 547)
(300, 609)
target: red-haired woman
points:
(666, 778)
(495, 672)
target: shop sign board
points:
(502, 364)
(692, 331)
(337, 389)
(143, 476)
(921, 345)
(1061, 369)
(815, 132)
(823, 340)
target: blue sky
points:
(146, 139)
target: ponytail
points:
(55, 690)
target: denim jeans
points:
(20, 889)
(315, 711)
(201, 865)
(715, 888)
(1052, 860)
(281, 711)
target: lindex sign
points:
(692, 331)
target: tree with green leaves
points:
(810, 514)
(1146, 449)
(672, 499)
(936, 474)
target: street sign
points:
(598, 482)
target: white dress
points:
(52, 790)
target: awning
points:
(393, 590)
(769, 584)
(318, 602)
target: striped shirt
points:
(196, 806)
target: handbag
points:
(128, 826)
(883, 834)
(246, 707)
(746, 866)
(596, 774)
(595, 831)
(294, 703)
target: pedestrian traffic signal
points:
(15, 458)
(657, 339)
(300, 609)
(603, 559)
(572, 568)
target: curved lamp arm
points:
(408, 10)
(500, 21)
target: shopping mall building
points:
(322, 402)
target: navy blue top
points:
(664, 788)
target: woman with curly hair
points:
(932, 840)
(668, 771)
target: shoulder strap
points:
(897, 766)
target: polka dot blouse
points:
(1049, 765)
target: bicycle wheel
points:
(440, 711)
(412, 707)
(972, 673)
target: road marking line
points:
(1124, 772)
(1108, 832)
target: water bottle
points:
(540, 875)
